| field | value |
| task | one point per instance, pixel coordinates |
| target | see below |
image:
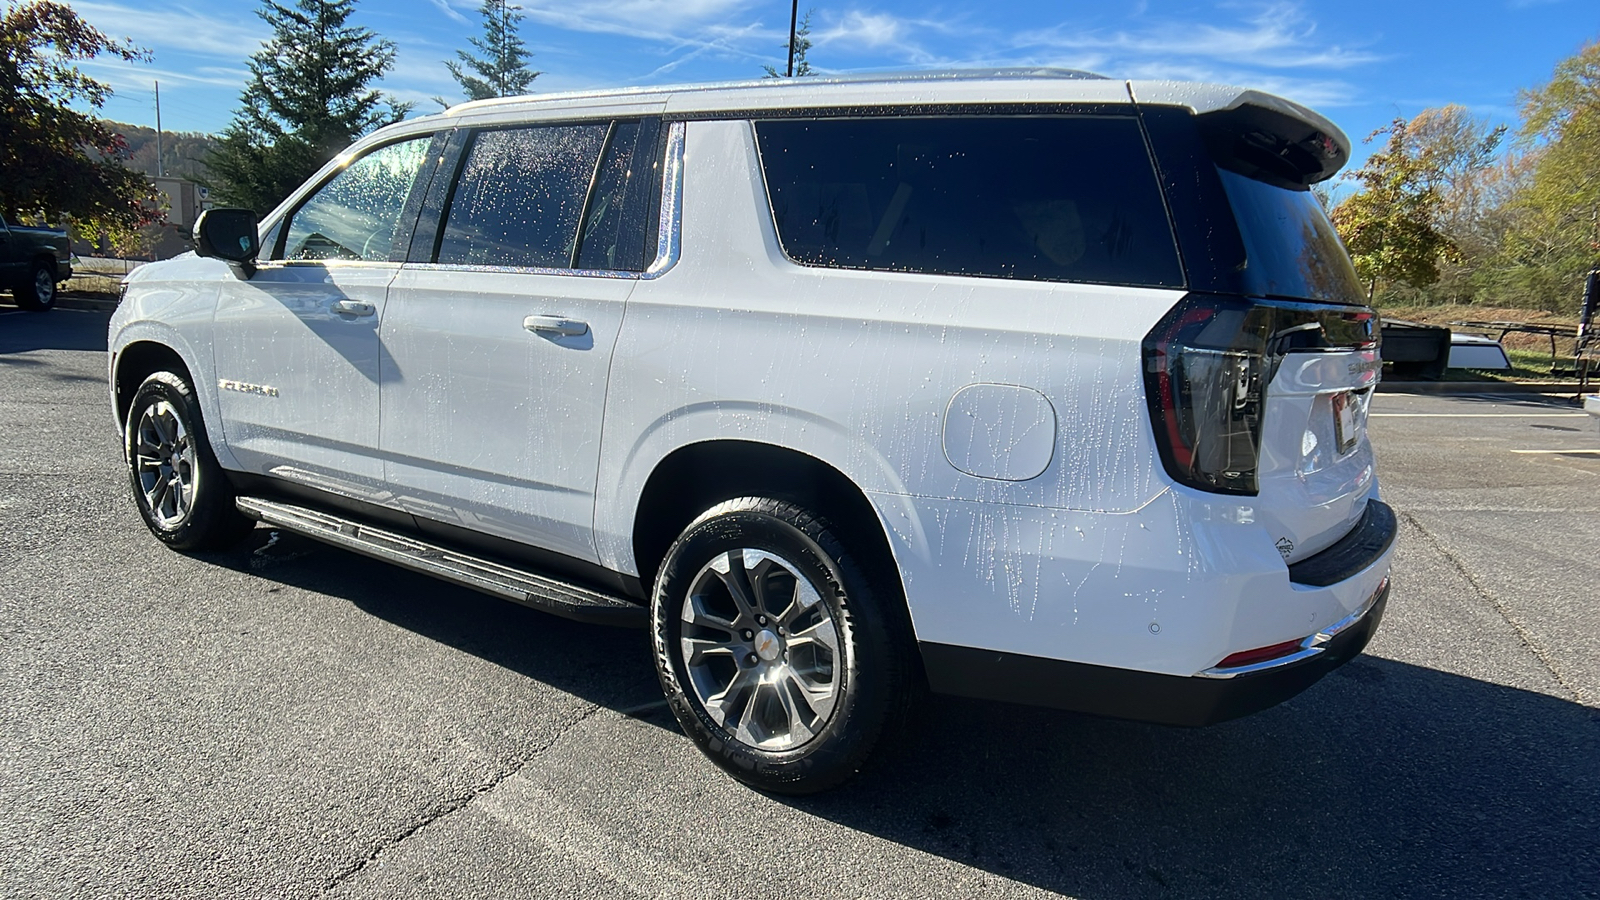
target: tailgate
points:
(1316, 469)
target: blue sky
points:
(1361, 62)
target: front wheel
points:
(180, 489)
(780, 656)
(38, 293)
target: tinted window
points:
(616, 224)
(520, 196)
(1290, 246)
(357, 213)
(1052, 198)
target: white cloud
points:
(132, 76)
(1277, 36)
(445, 7)
(177, 27)
(672, 21)
(867, 29)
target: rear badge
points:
(245, 387)
(1345, 406)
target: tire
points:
(781, 657)
(179, 488)
(38, 293)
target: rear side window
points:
(1049, 198)
(520, 196)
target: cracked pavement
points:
(288, 720)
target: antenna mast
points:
(160, 171)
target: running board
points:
(538, 591)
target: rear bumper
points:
(1213, 696)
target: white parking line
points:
(1556, 451)
(1508, 415)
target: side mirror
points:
(230, 234)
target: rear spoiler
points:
(1255, 134)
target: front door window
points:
(356, 214)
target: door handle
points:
(354, 308)
(555, 325)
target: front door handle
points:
(555, 325)
(354, 308)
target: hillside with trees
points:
(1450, 211)
(183, 153)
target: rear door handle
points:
(555, 325)
(354, 308)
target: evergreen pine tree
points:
(802, 43)
(504, 65)
(307, 98)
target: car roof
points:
(931, 87)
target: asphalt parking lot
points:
(288, 720)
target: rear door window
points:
(520, 196)
(1050, 198)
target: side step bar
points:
(538, 591)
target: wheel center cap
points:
(767, 646)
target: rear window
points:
(1291, 248)
(1048, 198)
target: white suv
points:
(1022, 385)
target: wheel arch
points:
(137, 361)
(697, 476)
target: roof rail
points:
(888, 77)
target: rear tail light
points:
(1207, 365)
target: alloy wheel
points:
(761, 649)
(164, 462)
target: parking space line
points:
(1509, 415)
(1575, 450)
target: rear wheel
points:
(779, 655)
(38, 293)
(180, 489)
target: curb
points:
(1482, 387)
(65, 301)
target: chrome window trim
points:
(518, 270)
(1311, 646)
(327, 263)
(669, 229)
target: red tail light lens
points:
(1207, 365)
(1204, 378)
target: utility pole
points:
(161, 172)
(794, 17)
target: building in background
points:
(184, 201)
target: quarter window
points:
(615, 226)
(357, 214)
(1051, 198)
